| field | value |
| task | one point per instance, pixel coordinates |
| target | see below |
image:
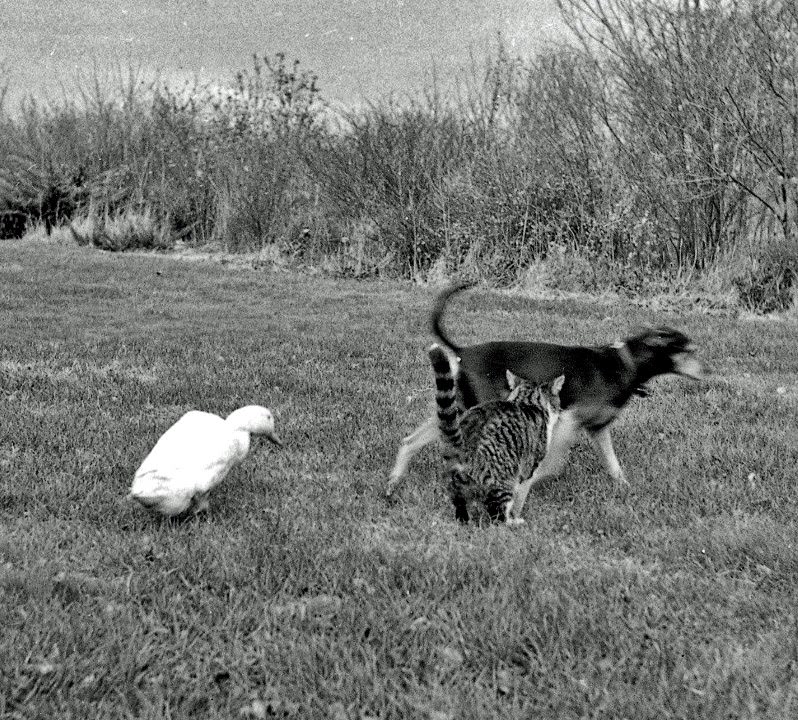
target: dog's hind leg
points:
(562, 437)
(423, 435)
(601, 440)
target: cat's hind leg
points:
(458, 492)
(460, 508)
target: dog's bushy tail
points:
(446, 400)
(436, 316)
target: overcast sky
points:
(359, 48)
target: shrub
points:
(40, 178)
(13, 224)
(129, 231)
(177, 156)
(384, 168)
(768, 286)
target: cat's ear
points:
(512, 380)
(556, 386)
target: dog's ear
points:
(557, 384)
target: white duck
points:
(195, 455)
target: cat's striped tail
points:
(446, 399)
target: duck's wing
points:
(190, 457)
(163, 494)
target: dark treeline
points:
(661, 140)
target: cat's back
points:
(499, 416)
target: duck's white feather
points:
(190, 458)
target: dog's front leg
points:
(424, 434)
(601, 440)
(562, 437)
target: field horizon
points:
(302, 593)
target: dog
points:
(599, 381)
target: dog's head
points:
(662, 350)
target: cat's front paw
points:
(515, 522)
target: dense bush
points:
(124, 232)
(769, 286)
(206, 165)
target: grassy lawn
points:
(303, 594)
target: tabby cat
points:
(492, 447)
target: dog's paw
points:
(515, 522)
